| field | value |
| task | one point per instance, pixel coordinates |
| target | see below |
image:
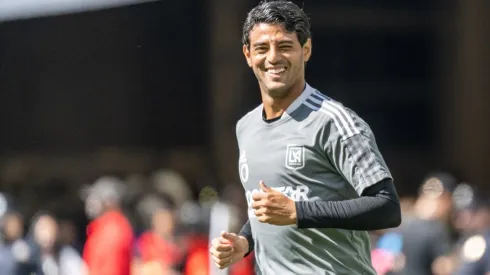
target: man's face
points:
(14, 227)
(46, 232)
(93, 206)
(276, 57)
(163, 222)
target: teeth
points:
(276, 71)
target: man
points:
(108, 249)
(314, 178)
(156, 250)
(427, 237)
(473, 254)
(14, 251)
(47, 253)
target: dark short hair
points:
(280, 12)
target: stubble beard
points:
(275, 91)
(279, 93)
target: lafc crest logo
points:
(295, 156)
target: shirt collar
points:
(298, 101)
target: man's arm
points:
(377, 208)
(352, 150)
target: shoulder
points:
(115, 226)
(248, 118)
(336, 116)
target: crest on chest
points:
(295, 156)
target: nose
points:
(273, 56)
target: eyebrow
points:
(257, 44)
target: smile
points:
(276, 71)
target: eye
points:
(261, 50)
(286, 47)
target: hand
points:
(273, 207)
(228, 249)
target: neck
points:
(110, 208)
(275, 107)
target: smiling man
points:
(314, 178)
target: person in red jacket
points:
(157, 249)
(108, 249)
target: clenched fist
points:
(273, 207)
(228, 249)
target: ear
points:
(246, 53)
(307, 50)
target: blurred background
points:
(146, 94)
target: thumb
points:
(231, 237)
(264, 187)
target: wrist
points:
(244, 245)
(293, 217)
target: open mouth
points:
(276, 72)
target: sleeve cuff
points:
(300, 214)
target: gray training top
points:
(317, 150)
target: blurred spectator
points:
(387, 256)
(156, 250)
(68, 234)
(47, 253)
(223, 216)
(172, 184)
(426, 238)
(195, 219)
(7, 204)
(108, 249)
(14, 251)
(466, 201)
(473, 255)
(12, 227)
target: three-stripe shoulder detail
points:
(342, 119)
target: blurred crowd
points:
(166, 230)
(133, 229)
(445, 231)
